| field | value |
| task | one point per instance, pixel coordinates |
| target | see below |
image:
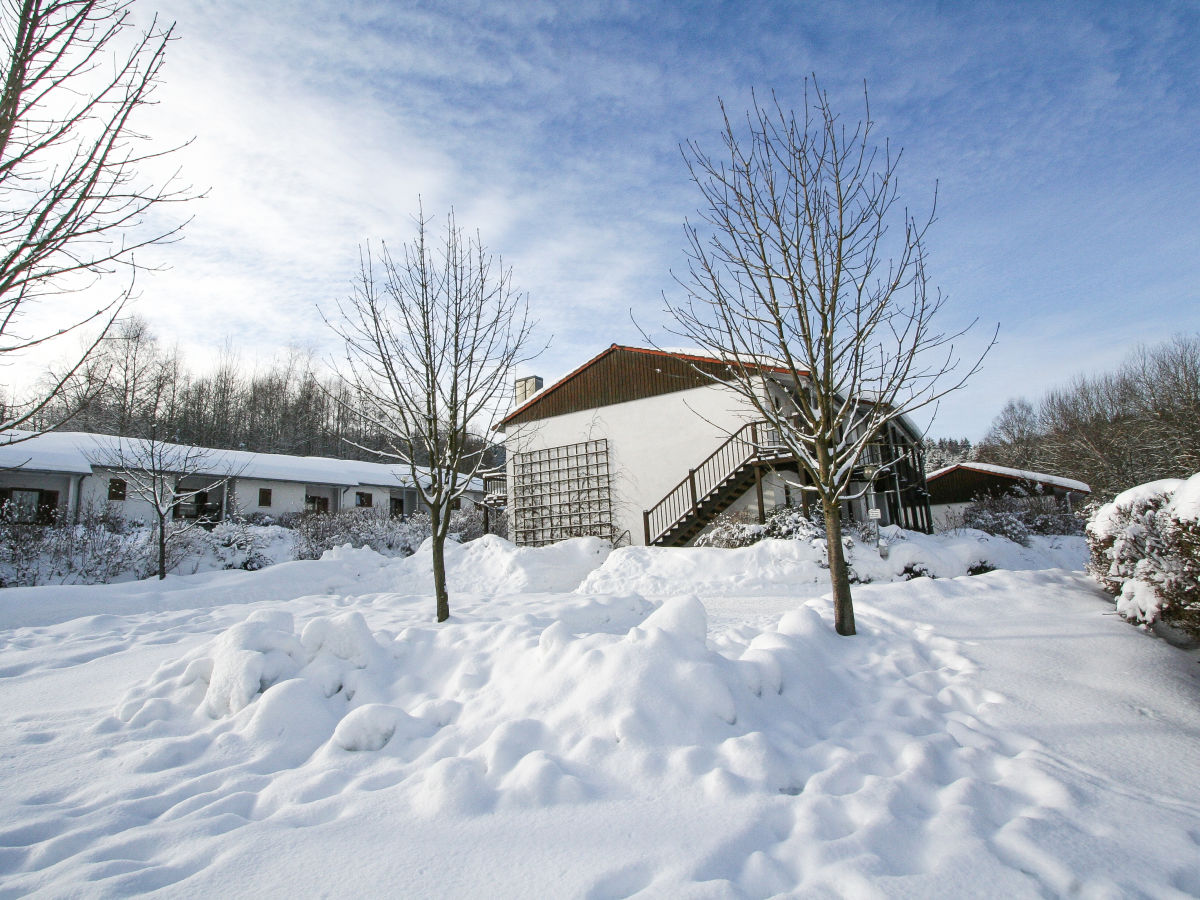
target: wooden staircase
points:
(713, 486)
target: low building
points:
(952, 488)
(63, 472)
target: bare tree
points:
(1016, 437)
(73, 207)
(808, 281)
(154, 469)
(431, 339)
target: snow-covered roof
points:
(76, 452)
(1069, 484)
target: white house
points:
(64, 471)
(639, 446)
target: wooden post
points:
(646, 525)
(762, 512)
(692, 486)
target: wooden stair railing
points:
(728, 472)
(705, 484)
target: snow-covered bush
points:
(1017, 515)
(1145, 550)
(788, 523)
(374, 528)
(1002, 516)
(741, 528)
(99, 548)
(239, 545)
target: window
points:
(363, 498)
(26, 504)
(116, 489)
(264, 496)
(29, 505)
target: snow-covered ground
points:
(661, 723)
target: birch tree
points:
(74, 206)
(808, 279)
(431, 337)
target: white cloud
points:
(1061, 137)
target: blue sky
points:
(1063, 137)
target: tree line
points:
(134, 386)
(1115, 430)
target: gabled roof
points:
(76, 452)
(1069, 484)
(619, 374)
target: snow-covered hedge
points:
(1018, 515)
(318, 532)
(789, 523)
(104, 547)
(1145, 550)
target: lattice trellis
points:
(561, 492)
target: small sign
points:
(874, 513)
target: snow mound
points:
(492, 565)
(487, 714)
(781, 565)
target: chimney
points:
(525, 388)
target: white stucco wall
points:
(286, 497)
(94, 493)
(946, 515)
(380, 496)
(652, 442)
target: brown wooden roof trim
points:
(542, 395)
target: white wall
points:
(381, 496)
(94, 493)
(652, 442)
(286, 497)
(946, 515)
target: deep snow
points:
(590, 724)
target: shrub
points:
(1018, 514)
(732, 529)
(1145, 550)
(374, 528)
(238, 545)
(789, 523)
(916, 570)
(99, 548)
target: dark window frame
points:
(264, 498)
(118, 490)
(364, 500)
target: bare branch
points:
(431, 336)
(808, 280)
(73, 208)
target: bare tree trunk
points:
(843, 607)
(162, 547)
(439, 565)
